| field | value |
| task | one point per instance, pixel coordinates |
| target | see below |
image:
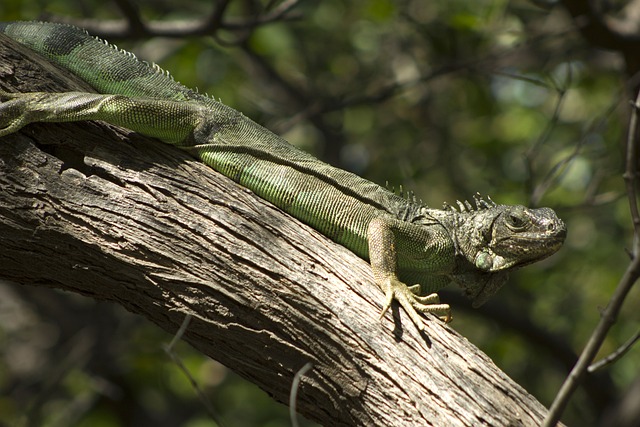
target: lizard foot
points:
(13, 112)
(412, 302)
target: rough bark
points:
(109, 214)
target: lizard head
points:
(496, 239)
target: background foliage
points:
(447, 98)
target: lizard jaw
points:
(480, 290)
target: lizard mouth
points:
(530, 249)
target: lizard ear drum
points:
(484, 261)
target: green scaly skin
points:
(405, 241)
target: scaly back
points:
(253, 156)
(119, 71)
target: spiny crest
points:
(152, 65)
(155, 68)
(465, 206)
(409, 196)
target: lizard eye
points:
(516, 222)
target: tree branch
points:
(629, 278)
(106, 213)
(605, 32)
(132, 26)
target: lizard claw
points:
(412, 303)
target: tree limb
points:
(106, 213)
(610, 313)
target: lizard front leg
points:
(171, 121)
(383, 234)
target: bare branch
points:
(616, 355)
(610, 313)
(133, 27)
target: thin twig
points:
(294, 392)
(631, 173)
(610, 313)
(132, 28)
(168, 348)
(616, 355)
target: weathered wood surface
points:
(108, 214)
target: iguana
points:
(405, 241)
